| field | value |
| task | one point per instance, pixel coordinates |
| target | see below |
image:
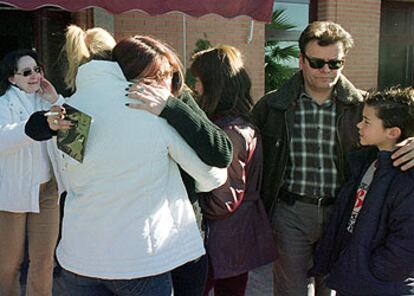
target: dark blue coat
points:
(378, 258)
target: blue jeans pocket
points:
(78, 280)
(159, 285)
(130, 287)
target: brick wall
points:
(361, 18)
(83, 19)
(182, 32)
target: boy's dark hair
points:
(326, 33)
(395, 107)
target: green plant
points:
(276, 56)
(201, 44)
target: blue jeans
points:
(77, 285)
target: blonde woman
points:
(83, 46)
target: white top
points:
(24, 163)
(127, 214)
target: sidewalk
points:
(260, 282)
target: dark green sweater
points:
(209, 141)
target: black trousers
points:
(190, 279)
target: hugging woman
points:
(128, 219)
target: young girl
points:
(240, 239)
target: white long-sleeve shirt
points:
(127, 214)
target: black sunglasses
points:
(28, 72)
(317, 63)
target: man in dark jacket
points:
(308, 126)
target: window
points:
(296, 12)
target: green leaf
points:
(276, 72)
(201, 44)
(280, 21)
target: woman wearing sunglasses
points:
(28, 197)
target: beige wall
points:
(234, 32)
(182, 32)
(361, 18)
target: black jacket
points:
(274, 116)
(378, 258)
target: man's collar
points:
(326, 103)
(344, 92)
(347, 93)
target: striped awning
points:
(260, 10)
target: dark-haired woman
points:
(240, 238)
(28, 197)
(174, 102)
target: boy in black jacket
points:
(368, 248)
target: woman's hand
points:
(152, 95)
(56, 118)
(404, 155)
(47, 91)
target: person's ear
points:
(11, 80)
(394, 133)
(300, 61)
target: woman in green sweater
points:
(175, 103)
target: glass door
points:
(396, 65)
(42, 30)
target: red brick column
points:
(83, 19)
(361, 18)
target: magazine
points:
(73, 141)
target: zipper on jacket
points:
(277, 144)
(287, 123)
(341, 166)
(288, 138)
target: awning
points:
(260, 10)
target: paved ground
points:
(260, 282)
